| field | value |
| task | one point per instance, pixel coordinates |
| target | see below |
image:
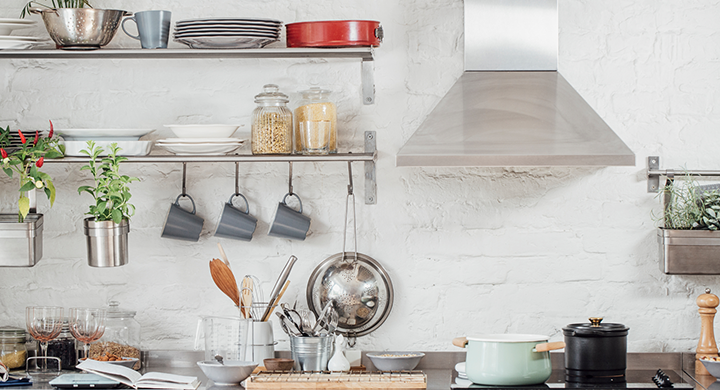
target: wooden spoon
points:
(225, 280)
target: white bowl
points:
(126, 362)
(128, 148)
(713, 366)
(203, 131)
(230, 373)
(395, 361)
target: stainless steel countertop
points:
(438, 366)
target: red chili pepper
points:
(39, 162)
(22, 137)
(51, 130)
(3, 153)
(37, 136)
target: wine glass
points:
(87, 325)
(44, 323)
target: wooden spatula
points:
(247, 290)
(225, 280)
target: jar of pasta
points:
(12, 347)
(272, 125)
(315, 112)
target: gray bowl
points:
(712, 366)
(395, 360)
(81, 28)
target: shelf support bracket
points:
(654, 173)
(370, 178)
(368, 81)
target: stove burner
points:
(594, 376)
(662, 380)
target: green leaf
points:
(116, 216)
(8, 172)
(27, 186)
(51, 187)
(24, 206)
(53, 154)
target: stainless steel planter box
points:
(689, 252)
(21, 243)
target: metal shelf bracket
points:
(654, 173)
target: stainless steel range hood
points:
(511, 107)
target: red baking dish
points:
(334, 33)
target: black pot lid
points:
(596, 329)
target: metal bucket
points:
(311, 353)
(21, 242)
(107, 242)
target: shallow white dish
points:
(129, 148)
(174, 141)
(103, 134)
(216, 29)
(8, 44)
(126, 362)
(227, 20)
(200, 149)
(713, 366)
(20, 38)
(203, 131)
(395, 361)
(231, 372)
(9, 25)
(225, 35)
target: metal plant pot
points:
(21, 242)
(107, 242)
(81, 28)
(689, 252)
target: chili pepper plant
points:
(25, 161)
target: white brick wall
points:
(470, 250)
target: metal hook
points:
(184, 192)
(237, 173)
(350, 186)
(290, 188)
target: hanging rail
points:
(654, 173)
(368, 157)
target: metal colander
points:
(357, 283)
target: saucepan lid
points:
(596, 329)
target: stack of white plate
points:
(227, 33)
(462, 379)
(128, 140)
(7, 41)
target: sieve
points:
(357, 283)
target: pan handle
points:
(544, 347)
(460, 342)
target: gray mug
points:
(181, 224)
(289, 223)
(235, 223)
(153, 28)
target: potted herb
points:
(24, 159)
(108, 224)
(690, 236)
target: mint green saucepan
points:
(508, 359)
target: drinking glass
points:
(44, 323)
(87, 325)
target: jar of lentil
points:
(316, 107)
(64, 348)
(272, 125)
(12, 347)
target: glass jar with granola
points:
(121, 337)
(315, 109)
(272, 124)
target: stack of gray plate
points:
(227, 33)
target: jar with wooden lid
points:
(12, 347)
(272, 124)
(316, 107)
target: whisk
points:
(258, 299)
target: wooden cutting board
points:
(350, 380)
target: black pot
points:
(595, 352)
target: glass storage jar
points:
(12, 347)
(272, 125)
(315, 107)
(64, 348)
(121, 337)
